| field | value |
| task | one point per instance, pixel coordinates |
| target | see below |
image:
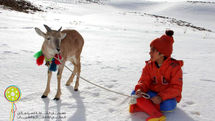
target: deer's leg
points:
(46, 92)
(59, 75)
(78, 75)
(72, 76)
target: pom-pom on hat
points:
(164, 44)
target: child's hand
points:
(138, 93)
(156, 99)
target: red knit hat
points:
(164, 43)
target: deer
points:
(68, 43)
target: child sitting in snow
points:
(161, 79)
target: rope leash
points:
(145, 95)
(98, 85)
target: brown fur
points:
(70, 50)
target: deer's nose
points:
(58, 49)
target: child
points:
(161, 79)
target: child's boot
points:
(134, 108)
(154, 118)
(148, 107)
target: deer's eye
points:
(48, 38)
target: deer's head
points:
(52, 42)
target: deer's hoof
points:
(75, 89)
(43, 96)
(56, 99)
(67, 84)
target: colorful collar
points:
(54, 62)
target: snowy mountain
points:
(117, 35)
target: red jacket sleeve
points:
(144, 81)
(175, 87)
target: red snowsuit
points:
(166, 81)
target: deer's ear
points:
(63, 35)
(39, 32)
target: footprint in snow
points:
(184, 105)
(195, 113)
(85, 64)
(98, 62)
(112, 98)
(109, 86)
(189, 102)
(111, 110)
(89, 87)
(27, 51)
(208, 80)
(107, 67)
(9, 52)
(119, 68)
(113, 80)
(27, 27)
(4, 45)
(95, 94)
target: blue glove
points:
(133, 92)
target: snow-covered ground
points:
(117, 37)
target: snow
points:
(117, 36)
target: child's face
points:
(154, 54)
